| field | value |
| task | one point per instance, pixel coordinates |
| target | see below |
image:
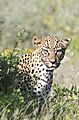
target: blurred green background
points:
(22, 19)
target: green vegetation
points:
(75, 45)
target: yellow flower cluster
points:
(6, 52)
(30, 50)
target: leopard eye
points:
(59, 52)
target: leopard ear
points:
(68, 40)
(65, 43)
(36, 40)
(35, 37)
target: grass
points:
(63, 105)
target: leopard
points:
(36, 68)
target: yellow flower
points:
(7, 51)
(30, 50)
